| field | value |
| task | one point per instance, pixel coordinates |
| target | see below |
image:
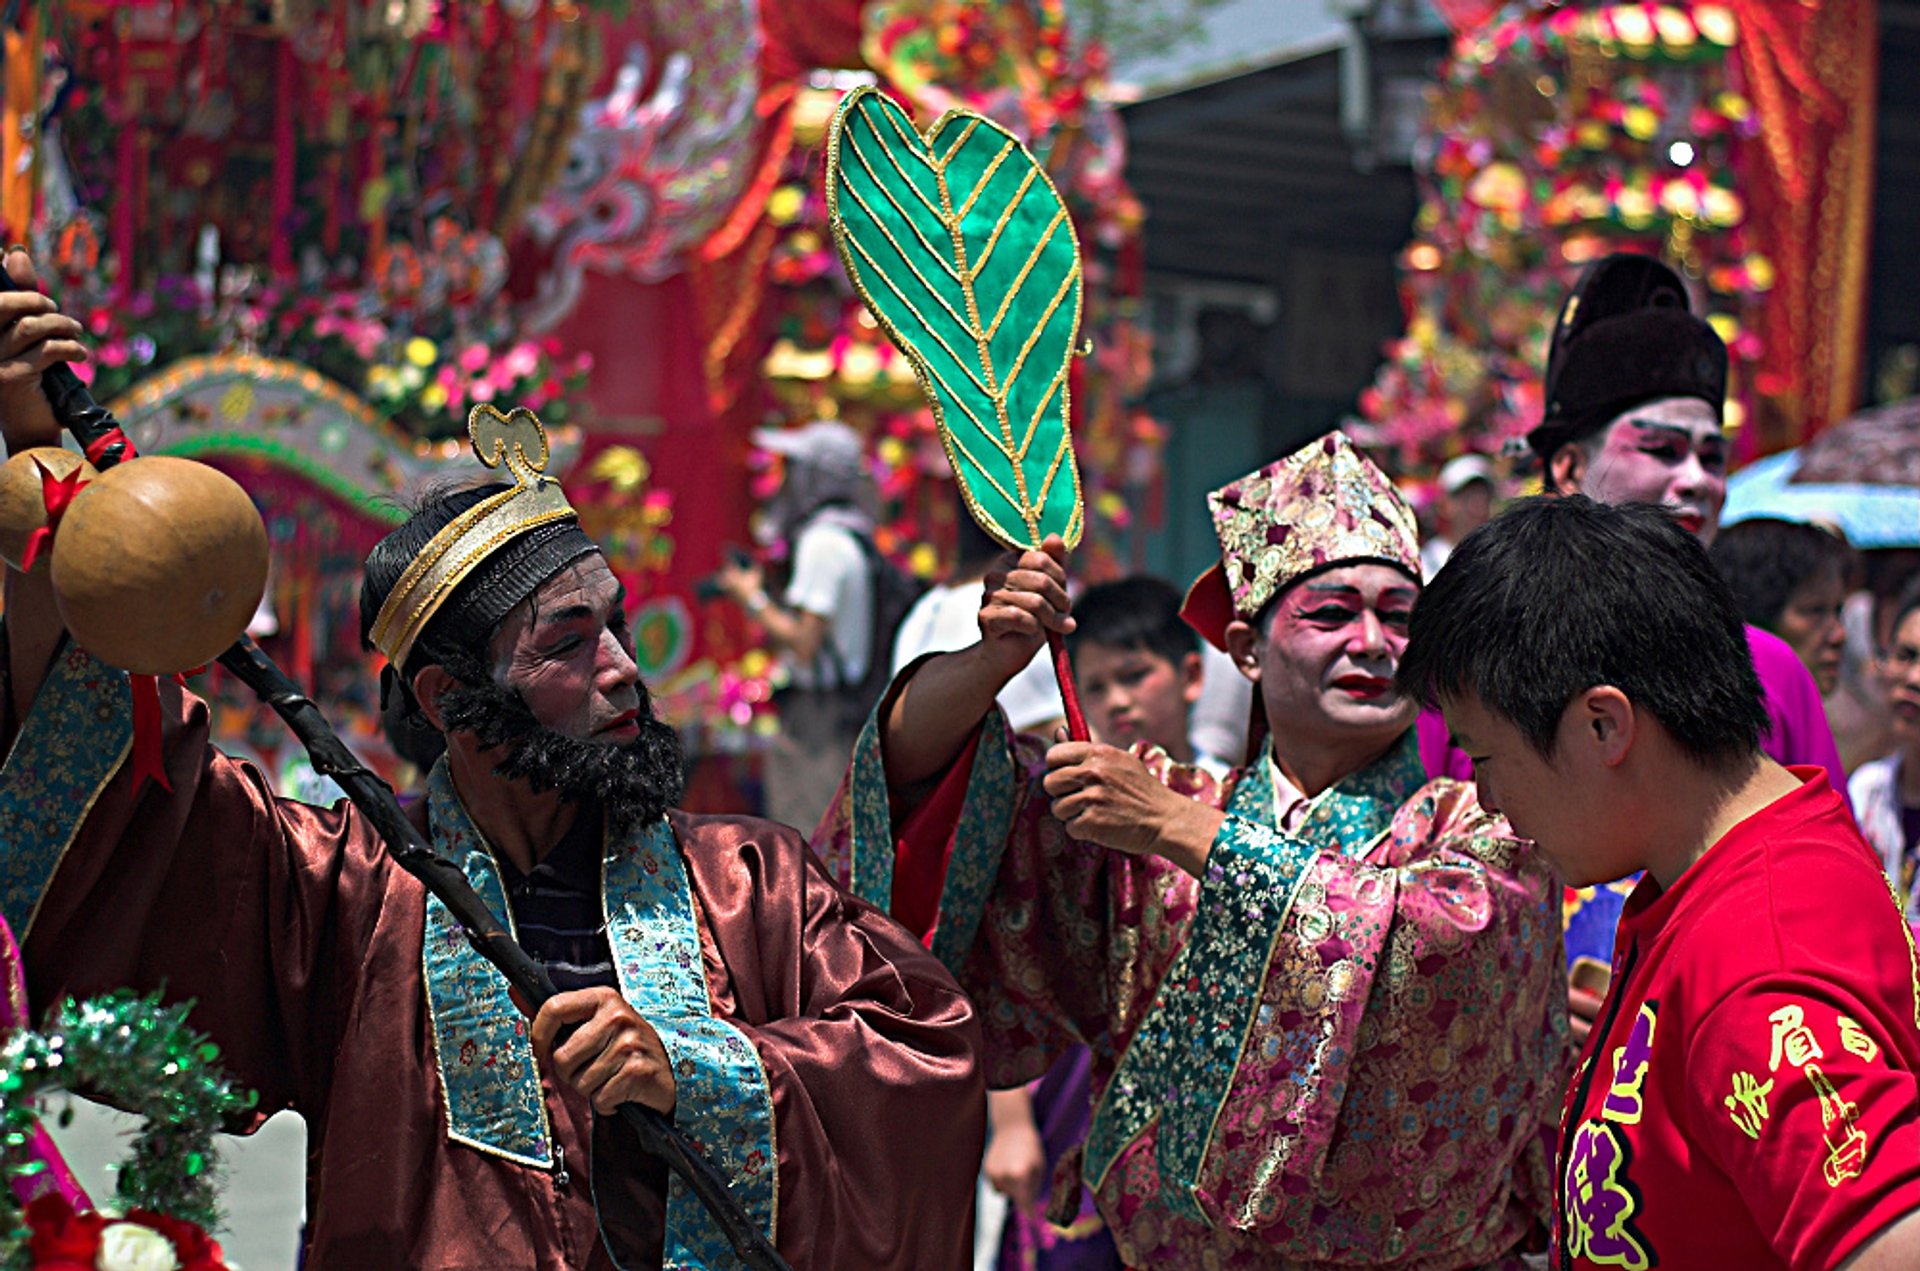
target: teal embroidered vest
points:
(494, 1098)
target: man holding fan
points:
(1322, 993)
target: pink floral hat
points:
(1325, 504)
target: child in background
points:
(1138, 667)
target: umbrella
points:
(1861, 475)
(1869, 514)
(1873, 447)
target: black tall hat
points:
(1627, 335)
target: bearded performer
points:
(709, 968)
(1322, 993)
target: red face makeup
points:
(1331, 648)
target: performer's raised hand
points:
(1106, 795)
(936, 710)
(1020, 602)
(34, 335)
(613, 1056)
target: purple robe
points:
(1035, 1238)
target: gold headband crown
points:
(517, 440)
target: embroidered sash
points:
(979, 841)
(480, 1042)
(494, 1099)
(74, 740)
(1181, 1062)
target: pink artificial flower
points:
(522, 360)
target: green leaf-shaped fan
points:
(960, 246)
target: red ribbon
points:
(147, 752)
(56, 493)
(98, 447)
(148, 755)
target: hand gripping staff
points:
(95, 428)
(962, 250)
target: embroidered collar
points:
(1354, 812)
(494, 1094)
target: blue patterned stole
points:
(494, 1099)
(979, 837)
(74, 740)
(1180, 1064)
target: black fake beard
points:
(635, 783)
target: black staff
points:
(92, 423)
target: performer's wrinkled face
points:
(1326, 661)
(564, 699)
(569, 655)
(1670, 452)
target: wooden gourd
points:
(159, 564)
(23, 507)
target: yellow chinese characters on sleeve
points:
(1795, 1052)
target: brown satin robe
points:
(300, 941)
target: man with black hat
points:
(1636, 385)
(709, 969)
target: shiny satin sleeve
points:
(870, 1050)
(213, 891)
(1059, 942)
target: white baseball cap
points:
(1463, 471)
(827, 444)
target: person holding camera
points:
(822, 625)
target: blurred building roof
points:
(1240, 36)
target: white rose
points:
(128, 1246)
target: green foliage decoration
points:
(136, 1054)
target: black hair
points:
(1904, 603)
(389, 559)
(974, 548)
(1142, 612)
(1560, 594)
(1766, 561)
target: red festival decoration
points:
(1732, 139)
(1811, 71)
(602, 210)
